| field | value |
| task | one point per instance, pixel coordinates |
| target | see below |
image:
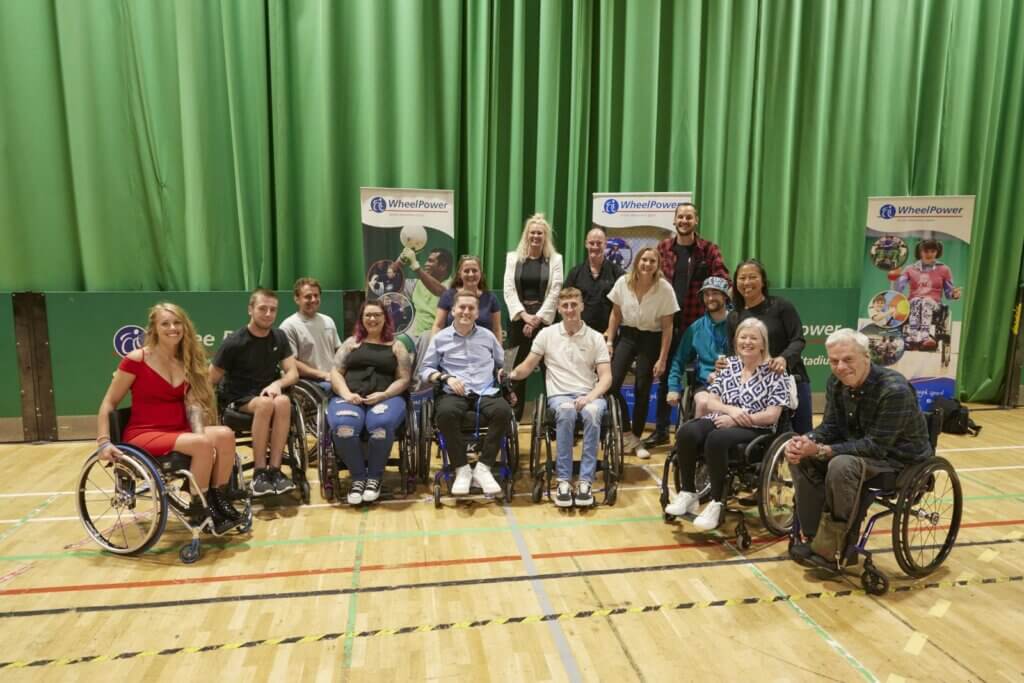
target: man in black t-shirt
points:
(256, 365)
(595, 277)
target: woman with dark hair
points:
(929, 280)
(371, 372)
(173, 409)
(785, 331)
(469, 275)
(640, 329)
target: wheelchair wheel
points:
(426, 430)
(310, 405)
(702, 480)
(512, 448)
(327, 469)
(123, 505)
(927, 518)
(536, 435)
(409, 454)
(775, 502)
(873, 581)
(615, 447)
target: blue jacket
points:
(703, 340)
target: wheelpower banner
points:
(634, 220)
(916, 252)
(408, 250)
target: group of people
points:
(676, 307)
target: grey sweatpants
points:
(832, 485)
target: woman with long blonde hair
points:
(174, 409)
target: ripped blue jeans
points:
(380, 421)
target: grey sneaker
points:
(563, 496)
(262, 484)
(282, 484)
(584, 497)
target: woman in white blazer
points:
(533, 278)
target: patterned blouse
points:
(763, 390)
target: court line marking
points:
(496, 621)
(446, 583)
(346, 662)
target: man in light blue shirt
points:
(464, 358)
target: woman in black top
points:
(370, 375)
(785, 331)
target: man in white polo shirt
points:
(578, 376)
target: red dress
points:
(158, 409)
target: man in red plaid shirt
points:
(686, 260)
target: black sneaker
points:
(372, 491)
(262, 484)
(658, 438)
(584, 497)
(282, 484)
(563, 496)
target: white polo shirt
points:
(570, 359)
(660, 300)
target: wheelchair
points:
(542, 433)
(295, 450)
(505, 466)
(330, 464)
(124, 504)
(758, 473)
(311, 400)
(925, 502)
(942, 333)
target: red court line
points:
(426, 564)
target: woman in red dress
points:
(172, 400)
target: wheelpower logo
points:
(380, 204)
(613, 206)
(890, 211)
(127, 339)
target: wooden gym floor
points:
(482, 591)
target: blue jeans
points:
(380, 421)
(565, 429)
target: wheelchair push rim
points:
(123, 505)
(927, 518)
(776, 503)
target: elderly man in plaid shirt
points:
(686, 261)
(872, 426)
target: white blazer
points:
(550, 306)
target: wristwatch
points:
(821, 452)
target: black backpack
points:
(956, 418)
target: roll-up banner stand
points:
(634, 220)
(916, 252)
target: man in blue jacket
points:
(704, 340)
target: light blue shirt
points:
(472, 358)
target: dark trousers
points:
(643, 347)
(495, 414)
(702, 435)
(832, 485)
(518, 340)
(664, 409)
(803, 416)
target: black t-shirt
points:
(531, 280)
(596, 306)
(370, 368)
(250, 362)
(785, 332)
(681, 274)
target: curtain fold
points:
(220, 144)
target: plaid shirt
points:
(705, 261)
(879, 420)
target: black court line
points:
(328, 592)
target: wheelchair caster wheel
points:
(538, 490)
(874, 582)
(664, 499)
(612, 495)
(191, 552)
(437, 496)
(508, 487)
(743, 541)
(304, 491)
(668, 518)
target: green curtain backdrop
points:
(219, 145)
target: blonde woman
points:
(640, 329)
(172, 402)
(533, 278)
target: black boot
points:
(197, 512)
(198, 515)
(218, 500)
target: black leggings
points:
(716, 445)
(519, 341)
(644, 347)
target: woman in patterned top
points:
(371, 372)
(745, 401)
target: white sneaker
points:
(463, 478)
(485, 480)
(629, 442)
(355, 494)
(563, 496)
(685, 503)
(710, 518)
(642, 452)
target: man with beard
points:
(703, 341)
(256, 364)
(686, 261)
(595, 277)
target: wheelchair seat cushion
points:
(237, 420)
(172, 462)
